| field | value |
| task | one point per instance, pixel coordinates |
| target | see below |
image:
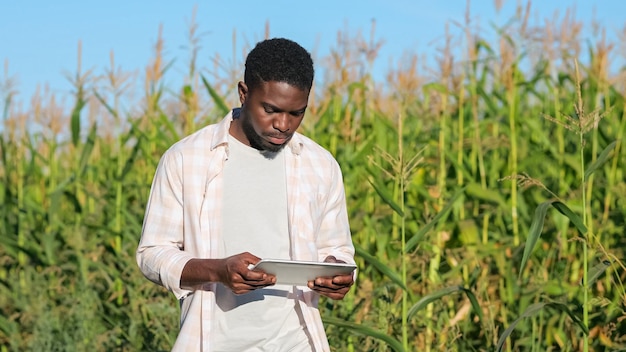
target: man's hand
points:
(234, 274)
(332, 287)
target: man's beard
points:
(256, 141)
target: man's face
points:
(270, 114)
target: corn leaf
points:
(169, 125)
(87, 148)
(534, 233)
(9, 327)
(534, 309)
(480, 43)
(492, 106)
(387, 198)
(3, 152)
(460, 167)
(105, 104)
(364, 147)
(7, 104)
(10, 246)
(413, 241)
(380, 266)
(426, 300)
(575, 219)
(436, 86)
(75, 119)
(475, 190)
(602, 159)
(366, 331)
(595, 272)
(219, 101)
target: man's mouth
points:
(278, 139)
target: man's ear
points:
(242, 88)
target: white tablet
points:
(290, 272)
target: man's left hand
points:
(332, 287)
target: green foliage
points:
(450, 175)
(534, 309)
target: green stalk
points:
(477, 160)
(21, 221)
(581, 116)
(441, 180)
(611, 180)
(513, 158)
(53, 204)
(560, 141)
(589, 181)
(485, 230)
(477, 149)
(119, 193)
(78, 221)
(533, 335)
(459, 141)
(433, 266)
(504, 312)
(119, 188)
(405, 324)
(613, 175)
(585, 249)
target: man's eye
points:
(269, 111)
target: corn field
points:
(486, 193)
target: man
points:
(246, 188)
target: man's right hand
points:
(232, 272)
(236, 275)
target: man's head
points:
(280, 60)
(274, 94)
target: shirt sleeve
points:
(334, 237)
(160, 254)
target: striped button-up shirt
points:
(183, 221)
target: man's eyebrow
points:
(277, 109)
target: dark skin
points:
(270, 115)
(232, 272)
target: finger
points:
(261, 283)
(334, 294)
(258, 275)
(248, 286)
(250, 258)
(343, 280)
(330, 259)
(259, 279)
(334, 282)
(333, 259)
(324, 282)
(252, 275)
(328, 288)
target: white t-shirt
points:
(255, 220)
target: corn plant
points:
(451, 257)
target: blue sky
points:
(39, 39)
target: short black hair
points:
(279, 60)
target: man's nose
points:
(281, 122)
